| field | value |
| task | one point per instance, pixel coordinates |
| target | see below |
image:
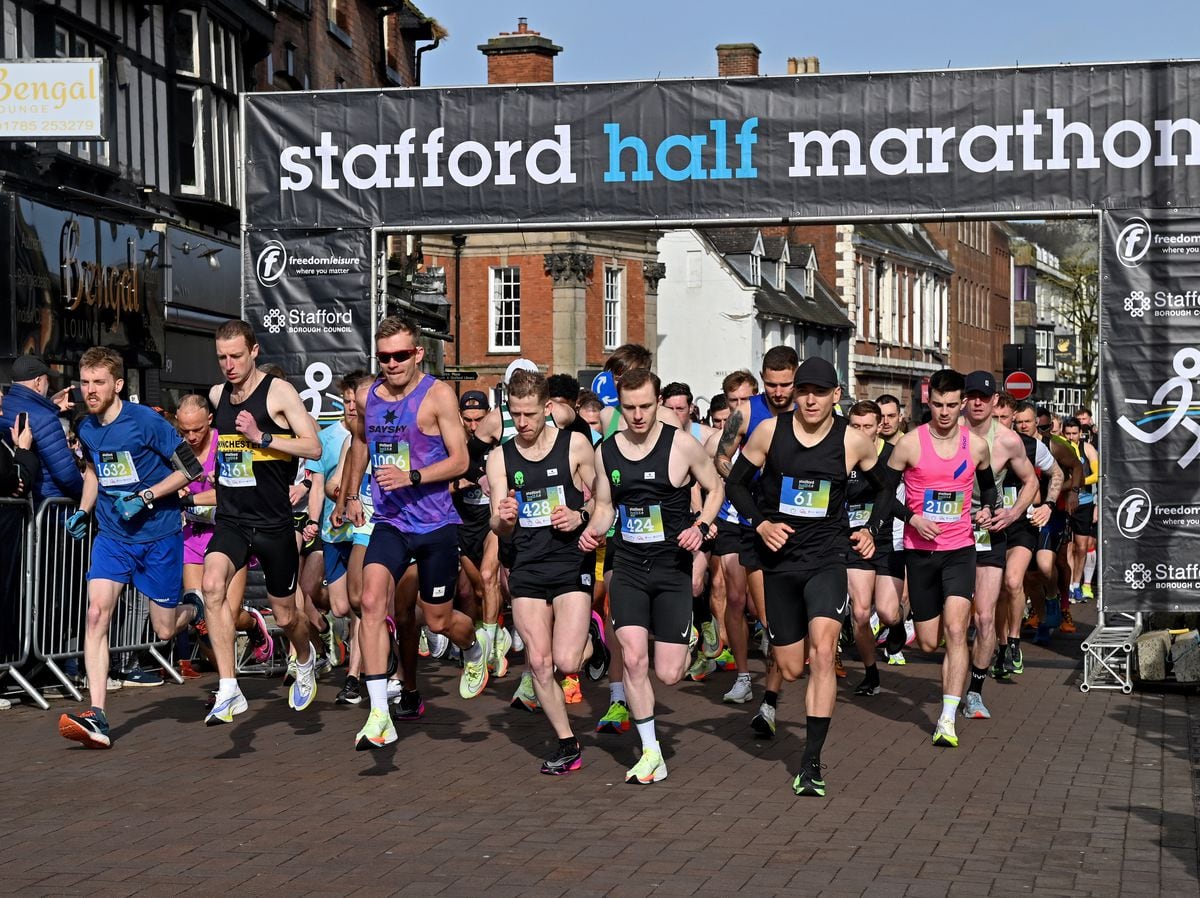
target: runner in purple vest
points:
(417, 446)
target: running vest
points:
(198, 519)
(394, 438)
(472, 505)
(1086, 490)
(651, 511)
(860, 496)
(983, 536)
(805, 488)
(940, 490)
(541, 487)
(252, 483)
(1012, 483)
(759, 412)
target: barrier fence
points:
(51, 604)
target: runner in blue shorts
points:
(136, 466)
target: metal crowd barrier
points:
(58, 599)
(16, 580)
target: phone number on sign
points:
(66, 126)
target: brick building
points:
(563, 299)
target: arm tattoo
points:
(729, 435)
(1055, 485)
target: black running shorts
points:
(550, 579)
(997, 553)
(435, 554)
(1081, 520)
(275, 550)
(796, 597)
(1021, 535)
(729, 538)
(935, 576)
(886, 562)
(655, 596)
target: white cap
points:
(518, 365)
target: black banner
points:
(1004, 142)
(1150, 446)
(307, 297)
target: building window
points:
(339, 20)
(187, 43)
(189, 139)
(613, 311)
(755, 269)
(504, 313)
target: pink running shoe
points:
(260, 639)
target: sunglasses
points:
(1044, 427)
(402, 355)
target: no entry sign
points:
(1019, 385)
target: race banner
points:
(1000, 142)
(1150, 435)
(307, 297)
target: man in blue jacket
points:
(59, 475)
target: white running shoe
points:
(741, 691)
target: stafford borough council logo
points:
(1137, 575)
(1137, 303)
(274, 321)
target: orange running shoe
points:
(1068, 625)
(570, 688)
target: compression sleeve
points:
(884, 483)
(985, 481)
(737, 489)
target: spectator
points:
(18, 464)
(57, 473)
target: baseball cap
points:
(518, 365)
(473, 399)
(980, 382)
(27, 367)
(817, 372)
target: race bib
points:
(474, 496)
(642, 524)
(860, 514)
(803, 498)
(1010, 496)
(390, 452)
(235, 461)
(942, 507)
(201, 514)
(983, 540)
(534, 507)
(116, 469)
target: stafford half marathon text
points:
(727, 150)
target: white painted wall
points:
(706, 319)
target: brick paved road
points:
(1059, 794)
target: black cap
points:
(817, 372)
(473, 399)
(27, 367)
(980, 382)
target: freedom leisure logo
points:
(274, 261)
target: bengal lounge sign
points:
(1004, 141)
(52, 99)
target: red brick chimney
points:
(520, 57)
(737, 60)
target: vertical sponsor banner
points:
(1150, 446)
(307, 296)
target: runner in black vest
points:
(264, 429)
(803, 538)
(644, 475)
(537, 481)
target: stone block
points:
(1151, 654)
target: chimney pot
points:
(520, 57)
(522, 25)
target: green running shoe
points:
(474, 676)
(712, 639)
(615, 719)
(944, 735)
(809, 782)
(649, 769)
(725, 660)
(525, 697)
(377, 732)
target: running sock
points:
(645, 729)
(817, 728)
(978, 676)
(872, 673)
(949, 708)
(616, 692)
(569, 743)
(1014, 644)
(377, 690)
(744, 676)
(1089, 566)
(1074, 586)
(473, 653)
(491, 630)
(226, 687)
(770, 699)
(700, 611)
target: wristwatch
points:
(148, 498)
(584, 517)
(265, 442)
(414, 477)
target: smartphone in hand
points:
(23, 421)
(76, 396)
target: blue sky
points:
(618, 40)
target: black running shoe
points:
(809, 781)
(869, 686)
(407, 707)
(350, 693)
(568, 757)
(597, 665)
